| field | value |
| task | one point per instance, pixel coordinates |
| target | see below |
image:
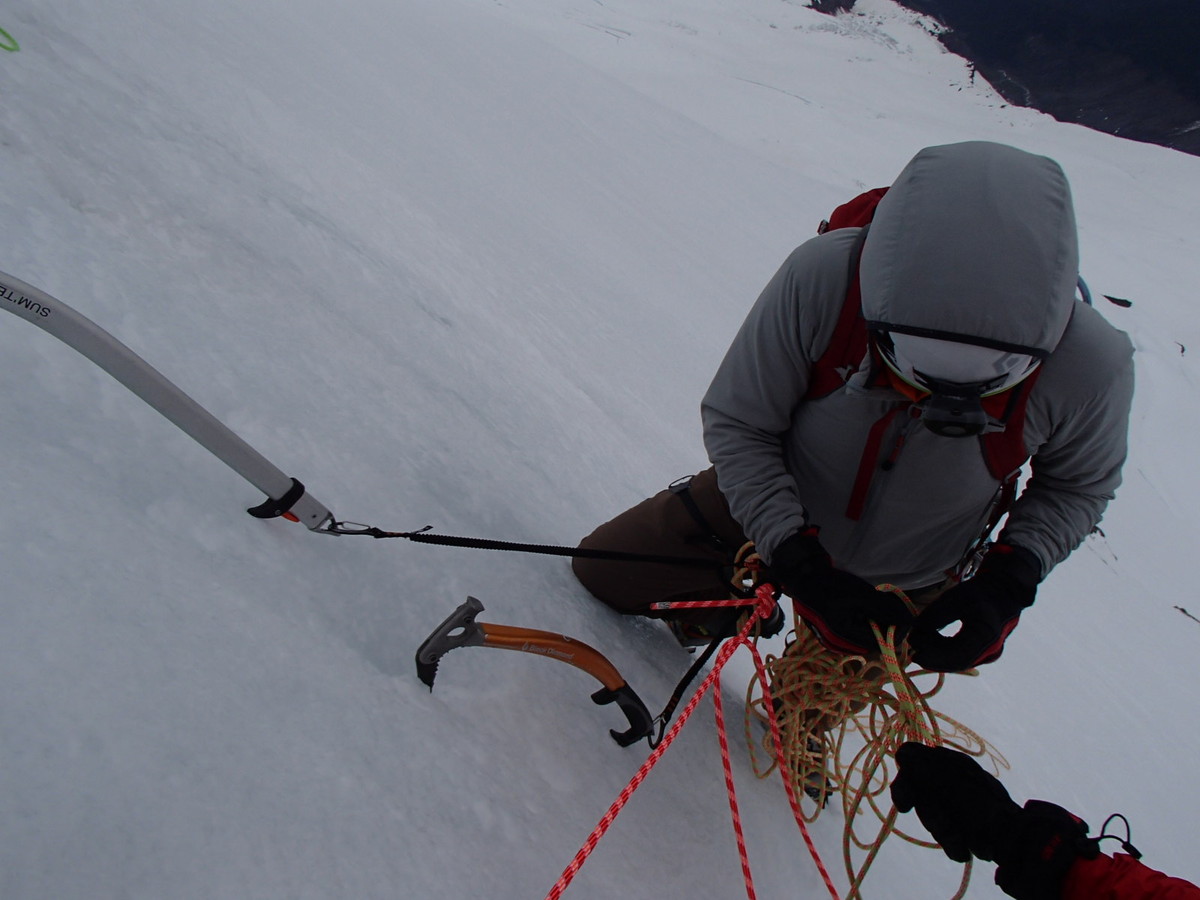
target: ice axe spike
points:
(461, 630)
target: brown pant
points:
(664, 525)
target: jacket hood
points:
(974, 242)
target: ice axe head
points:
(458, 630)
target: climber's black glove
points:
(837, 605)
(969, 812)
(955, 799)
(989, 607)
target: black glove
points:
(969, 812)
(989, 607)
(837, 605)
(956, 800)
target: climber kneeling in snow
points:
(867, 423)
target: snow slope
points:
(472, 264)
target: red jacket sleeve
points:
(1122, 877)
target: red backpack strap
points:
(848, 345)
(846, 348)
(849, 342)
(852, 213)
(1004, 451)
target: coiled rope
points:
(828, 704)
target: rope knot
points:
(765, 599)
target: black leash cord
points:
(1125, 844)
(423, 536)
(661, 720)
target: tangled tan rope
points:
(842, 719)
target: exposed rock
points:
(832, 7)
(1124, 67)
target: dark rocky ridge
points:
(1124, 67)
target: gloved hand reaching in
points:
(988, 606)
(970, 813)
(838, 605)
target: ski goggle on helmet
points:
(951, 378)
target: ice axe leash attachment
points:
(460, 629)
(272, 508)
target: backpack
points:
(1003, 451)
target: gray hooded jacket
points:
(975, 240)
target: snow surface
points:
(472, 264)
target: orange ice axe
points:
(461, 630)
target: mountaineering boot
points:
(817, 784)
(774, 624)
(692, 634)
(812, 776)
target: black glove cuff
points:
(1041, 844)
(1016, 563)
(801, 554)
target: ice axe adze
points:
(461, 630)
